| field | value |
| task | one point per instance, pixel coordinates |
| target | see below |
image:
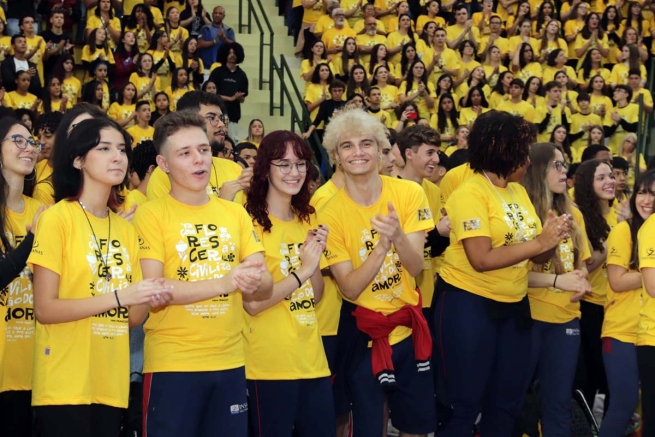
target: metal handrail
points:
(651, 76)
(252, 13)
(297, 123)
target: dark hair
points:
(6, 123)
(19, 113)
(274, 146)
(59, 71)
(404, 60)
(18, 35)
(351, 86)
(625, 88)
(552, 56)
(68, 181)
(566, 145)
(586, 32)
(186, 57)
(443, 160)
(457, 158)
(524, 48)
(171, 123)
(410, 32)
(45, 94)
(224, 51)
(195, 99)
(174, 84)
(316, 75)
(374, 57)
(438, 86)
(590, 152)
(462, 46)
(499, 87)
(583, 97)
(541, 17)
(122, 51)
(409, 84)
(89, 93)
(156, 35)
(61, 134)
(552, 84)
(310, 56)
(91, 41)
(347, 57)
(526, 88)
(335, 84)
(121, 99)
(570, 173)
(415, 136)
(620, 163)
(111, 10)
(132, 22)
(500, 143)
(644, 181)
(483, 100)
(640, 19)
(143, 157)
(139, 71)
(442, 117)
(48, 121)
(604, 21)
(243, 146)
(587, 201)
(140, 103)
(206, 84)
(586, 64)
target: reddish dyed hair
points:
(272, 147)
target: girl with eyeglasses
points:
(555, 290)
(628, 151)
(294, 241)
(18, 216)
(625, 295)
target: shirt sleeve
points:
(48, 247)
(619, 245)
(151, 236)
(647, 245)
(469, 218)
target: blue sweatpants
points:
(195, 404)
(555, 349)
(278, 407)
(620, 360)
(484, 362)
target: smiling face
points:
(387, 159)
(644, 201)
(424, 160)
(289, 184)
(604, 183)
(358, 155)
(16, 161)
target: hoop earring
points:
(33, 177)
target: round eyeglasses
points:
(286, 167)
(21, 142)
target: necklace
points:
(103, 261)
(510, 214)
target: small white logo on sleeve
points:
(238, 408)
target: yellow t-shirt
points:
(72, 89)
(550, 72)
(572, 27)
(453, 32)
(395, 39)
(425, 280)
(336, 37)
(555, 119)
(384, 5)
(17, 301)
(43, 190)
(37, 58)
(603, 72)
(182, 34)
(449, 59)
(553, 305)
(223, 171)
(492, 78)
(368, 41)
(597, 102)
(353, 239)
(448, 131)
(98, 347)
(452, 180)
(646, 328)
(516, 41)
(578, 121)
(174, 96)
(530, 70)
(424, 19)
(467, 116)
(328, 310)
(134, 197)
(95, 22)
(164, 72)
(16, 101)
(619, 74)
(500, 42)
(87, 56)
(195, 243)
(478, 211)
(142, 83)
(629, 113)
(139, 134)
(290, 325)
(119, 112)
(141, 37)
(421, 104)
(522, 109)
(5, 44)
(621, 309)
(55, 105)
(311, 15)
(598, 278)
(313, 93)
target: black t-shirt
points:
(49, 36)
(196, 24)
(228, 83)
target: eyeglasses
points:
(286, 167)
(227, 152)
(213, 119)
(560, 165)
(21, 142)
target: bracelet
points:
(297, 279)
(117, 301)
(555, 282)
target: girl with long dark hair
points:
(418, 89)
(445, 121)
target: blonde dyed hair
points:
(350, 123)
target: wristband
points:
(297, 279)
(117, 301)
(555, 282)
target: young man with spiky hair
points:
(375, 250)
(206, 248)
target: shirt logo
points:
(424, 214)
(238, 408)
(471, 225)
